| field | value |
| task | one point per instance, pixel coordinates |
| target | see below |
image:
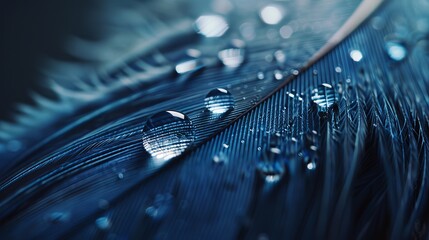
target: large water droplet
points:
(211, 25)
(219, 101)
(167, 134)
(324, 96)
(233, 55)
(396, 50)
(103, 223)
(272, 14)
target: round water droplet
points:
(286, 31)
(211, 25)
(233, 56)
(338, 69)
(356, 55)
(278, 75)
(161, 207)
(103, 223)
(167, 134)
(324, 96)
(396, 50)
(270, 165)
(260, 75)
(271, 14)
(219, 101)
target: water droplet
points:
(356, 55)
(396, 50)
(211, 25)
(315, 72)
(220, 158)
(242, 141)
(271, 165)
(271, 14)
(233, 56)
(295, 72)
(286, 31)
(57, 217)
(167, 134)
(278, 75)
(225, 145)
(161, 206)
(338, 69)
(280, 56)
(260, 75)
(120, 176)
(309, 153)
(103, 223)
(219, 101)
(324, 96)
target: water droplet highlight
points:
(396, 50)
(211, 25)
(167, 134)
(271, 14)
(356, 55)
(103, 223)
(219, 101)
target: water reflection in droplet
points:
(219, 101)
(167, 134)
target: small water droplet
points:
(220, 158)
(278, 75)
(219, 101)
(103, 223)
(338, 69)
(211, 25)
(309, 153)
(225, 145)
(233, 55)
(295, 72)
(242, 141)
(57, 217)
(286, 31)
(396, 50)
(271, 14)
(260, 75)
(280, 56)
(324, 96)
(167, 134)
(120, 176)
(161, 206)
(356, 55)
